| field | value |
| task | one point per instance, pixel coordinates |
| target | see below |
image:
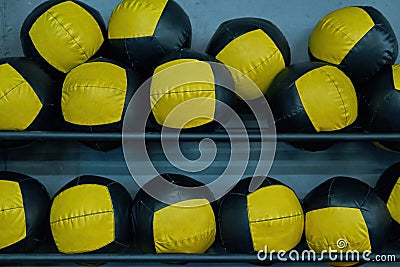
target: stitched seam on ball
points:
(14, 208)
(66, 30)
(329, 192)
(365, 199)
(276, 219)
(381, 104)
(140, 4)
(93, 86)
(159, 45)
(170, 93)
(80, 216)
(259, 65)
(127, 51)
(297, 111)
(339, 30)
(183, 240)
(340, 95)
(12, 89)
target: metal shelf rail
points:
(252, 136)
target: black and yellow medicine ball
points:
(312, 97)
(358, 39)
(380, 104)
(142, 32)
(345, 214)
(189, 93)
(91, 214)
(253, 46)
(388, 188)
(95, 96)
(271, 216)
(27, 96)
(186, 226)
(24, 204)
(63, 34)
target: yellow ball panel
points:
(275, 224)
(329, 98)
(256, 57)
(176, 231)
(324, 227)
(82, 219)
(393, 203)
(12, 214)
(135, 18)
(338, 32)
(19, 104)
(182, 94)
(396, 76)
(94, 94)
(66, 35)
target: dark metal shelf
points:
(252, 136)
(143, 258)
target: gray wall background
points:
(56, 163)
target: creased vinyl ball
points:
(312, 97)
(345, 214)
(253, 46)
(95, 96)
(187, 225)
(271, 216)
(91, 214)
(63, 34)
(24, 204)
(380, 104)
(142, 32)
(358, 39)
(388, 188)
(27, 96)
(190, 94)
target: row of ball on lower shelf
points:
(96, 214)
(304, 97)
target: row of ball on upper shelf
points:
(355, 48)
(96, 214)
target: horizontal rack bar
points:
(290, 137)
(192, 258)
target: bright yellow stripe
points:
(393, 203)
(396, 76)
(82, 219)
(185, 227)
(182, 94)
(256, 57)
(12, 223)
(338, 32)
(19, 104)
(94, 94)
(66, 35)
(275, 224)
(329, 98)
(135, 18)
